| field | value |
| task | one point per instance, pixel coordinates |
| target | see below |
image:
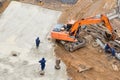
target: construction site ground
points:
(101, 63)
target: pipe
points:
(100, 43)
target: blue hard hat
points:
(43, 58)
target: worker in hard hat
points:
(37, 42)
(42, 62)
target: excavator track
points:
(72, 46)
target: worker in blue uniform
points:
(42, 62)
(113, 51)
(109, 49)
(37, 42)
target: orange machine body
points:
(62, 36)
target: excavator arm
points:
(79, 23)
(107, 23)
(71, 34)
(89, 21)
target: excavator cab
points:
(68, 27)
(58, 27)
(61, 27)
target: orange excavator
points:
(68, 34)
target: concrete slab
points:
(20, 24)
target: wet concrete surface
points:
(20, 24)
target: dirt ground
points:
(87, 8)
(5, 4)
(101, 63)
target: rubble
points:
(115, 67)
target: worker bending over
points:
(109, 49)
